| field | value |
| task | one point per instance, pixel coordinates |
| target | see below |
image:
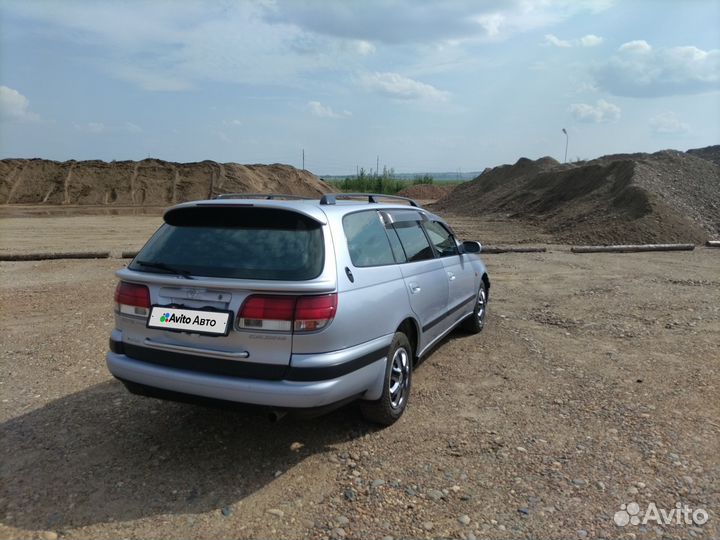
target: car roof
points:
(315, 208)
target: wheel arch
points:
(486, 281)
(411, 329)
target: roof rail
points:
(331, 198)
(269, 196)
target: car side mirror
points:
(471, 247)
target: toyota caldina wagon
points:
(293, 303)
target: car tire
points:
(476, 321)
(396, 388)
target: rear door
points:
(423, 273)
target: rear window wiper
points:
(166, 267)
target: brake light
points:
(267, 313)
(286, 313)
(132, 299)
(314, 312)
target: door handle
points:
(451, 276)
(414, 288)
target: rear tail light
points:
(286, 313)
(267, 313)
(132, 299)
(314, 312)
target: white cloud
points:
(668, 123)
(233, 122)
(14, 106)
(97, 128)
(599, 113)
(590, 40)
(152, 78)
(492, 23)
(132, 128)
(91, 127)
(639, 70)
(176, 46)
(321, 111)
(550, 39)
(410, 21)
(364, 47)
(637, 46)
(397, 86)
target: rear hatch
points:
(222, 288)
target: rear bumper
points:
(310, 381)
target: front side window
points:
(367, 242)
(441, 239)
(413, 240)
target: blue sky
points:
(426, 86)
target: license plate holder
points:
(207, 322)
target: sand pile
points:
(150, 182)
(426, 191)
(668, 196)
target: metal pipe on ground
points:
(632, 248)
(51, 256)
(507, 249)
(128, 254)
(713, 243)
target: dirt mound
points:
(668, 196)
(150, 182)
(426, 191)
(711, 153)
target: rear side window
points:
(236, 242)
(367, 242)
(413, 240)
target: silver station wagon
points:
(294, 304)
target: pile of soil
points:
(426, 191)
(668, 196)
(150, 182)
(711, 153)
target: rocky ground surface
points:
(595, 384)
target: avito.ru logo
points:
(630, 514)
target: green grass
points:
(386, 184)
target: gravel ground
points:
(595, 384)
(25, 231)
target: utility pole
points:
(303, 159)
(377, 167)
(567, 141)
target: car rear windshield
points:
(235, 242)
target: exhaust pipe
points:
(275, 416)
